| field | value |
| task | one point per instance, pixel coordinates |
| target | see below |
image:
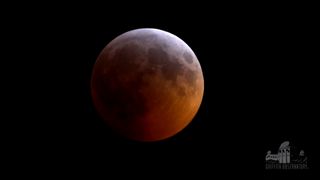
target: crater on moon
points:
(157, 57)
(172, 69)
(188, 57)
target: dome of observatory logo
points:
(287, 157)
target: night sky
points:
(259, 71)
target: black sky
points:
(260, 79)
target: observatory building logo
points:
(287, 158)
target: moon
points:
(147, 84)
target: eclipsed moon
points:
(147, 84)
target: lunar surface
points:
(147, 84)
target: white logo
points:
(284, 159)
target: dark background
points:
(259, 68)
